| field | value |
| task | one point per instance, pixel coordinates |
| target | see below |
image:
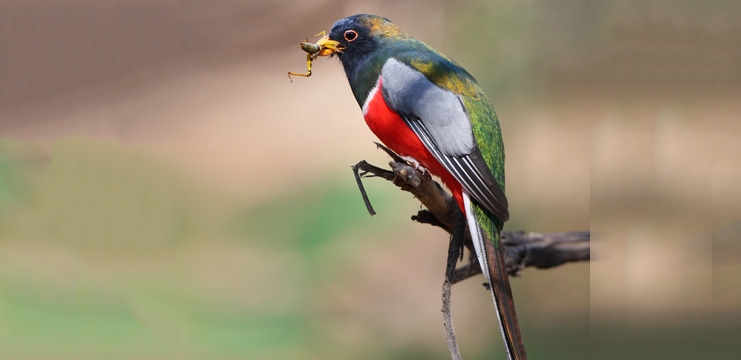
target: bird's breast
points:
(391, 129)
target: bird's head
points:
(358, 36)
(363, 43)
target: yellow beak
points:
(328, 47)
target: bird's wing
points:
(440, 119)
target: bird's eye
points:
(351, 35)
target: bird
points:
(426, 107)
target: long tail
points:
(490, 255)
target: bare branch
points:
(522, 249)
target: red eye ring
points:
(351, 35)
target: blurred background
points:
(167, 193)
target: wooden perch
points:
(522, 249)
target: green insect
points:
(323, 47)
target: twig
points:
(455, 250)
(455, 353)
(355, 170)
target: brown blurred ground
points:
(619, 117)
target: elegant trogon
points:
(424, 106)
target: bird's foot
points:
(416, 165)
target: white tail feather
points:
(476, 237)
(478, 244)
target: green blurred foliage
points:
(106, 253)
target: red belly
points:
(390, 128)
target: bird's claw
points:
(416, 165)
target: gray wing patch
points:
(407, 91)
(471, 172)
(439, 119)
